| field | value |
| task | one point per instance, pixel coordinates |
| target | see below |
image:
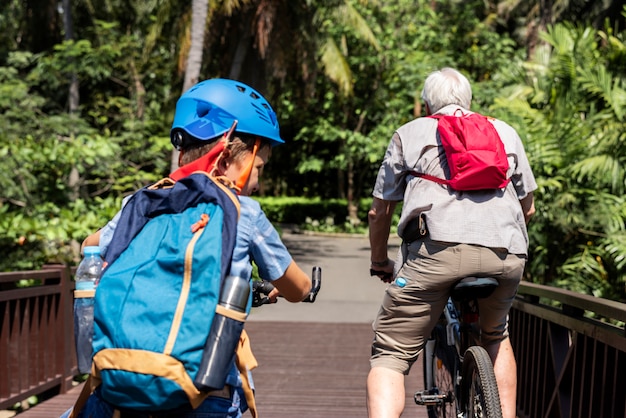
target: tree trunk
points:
(73, 181)
(538, 25)
(240, 53)
(352, 206)
(199, 10)
(74, 93)
(73, 99)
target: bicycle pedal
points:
(428, 399)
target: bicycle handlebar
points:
(383, 275)
(262, 288)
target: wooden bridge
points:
(307, 370)
(571, 348)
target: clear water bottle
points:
(221, 344)
(87, 275)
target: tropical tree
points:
(527, 19)
(68, 170)
(199, 10)
(297, 54)
(570, 108)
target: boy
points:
(227, 129)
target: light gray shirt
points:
(491, 218)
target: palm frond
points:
(230, 6)
(600, 83)
(336, 67)
(606, 213)
(349, 17)
(615, 247)
(605, 171)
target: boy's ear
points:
(224, 161)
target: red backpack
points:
(475, 154)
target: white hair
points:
(444, 87)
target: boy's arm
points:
(294, 285)
(91, 240)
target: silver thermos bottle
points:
(221, 345)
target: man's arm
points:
(379, 218)
(528, 206)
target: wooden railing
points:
(571, 354)
(36, 334)
(570, 348)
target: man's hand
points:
(384, 270)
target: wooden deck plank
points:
(54, 406)
(306, 370)
(313, 370)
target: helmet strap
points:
(209, 161)
(204, 163)
(245, 175)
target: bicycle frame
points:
(454, 361)
(450, 319)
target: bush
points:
(325, 215)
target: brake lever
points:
(316, 284)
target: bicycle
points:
(458, 373)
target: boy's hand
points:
(273, 295)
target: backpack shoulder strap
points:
(168, 197)
(429, 177)
(444, 182)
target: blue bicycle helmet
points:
(207, 110)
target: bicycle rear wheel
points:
(479, 395)
(445, 366)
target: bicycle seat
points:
(473, 288)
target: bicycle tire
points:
(445, 362)
(479, 395)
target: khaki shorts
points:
(408, 314)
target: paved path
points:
(348, 294)
(341, 318)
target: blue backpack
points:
(155, 302)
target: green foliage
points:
(295, 210)
(570, 110)
(65, 178)
(320, 215)
(67, 172)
